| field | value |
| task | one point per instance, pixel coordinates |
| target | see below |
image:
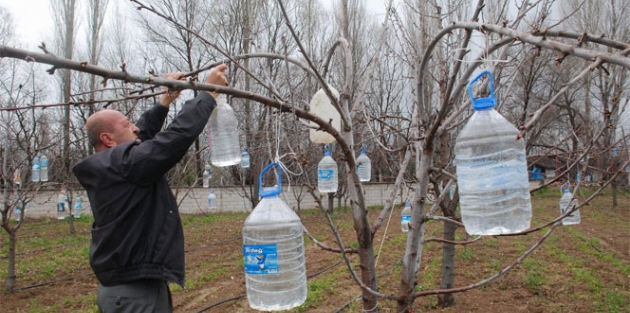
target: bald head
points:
(107, 128)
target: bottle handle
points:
(270, 192)
(486, 101)
(327, 149)
(566, 187)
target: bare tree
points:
(439, 57)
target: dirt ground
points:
(582, 268)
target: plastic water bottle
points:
(225, 147)
(35, 169)
(18, 212)
(327, 173)
(273, 251)
(567, 203)
(212, 200)
(78, 206)
(405, 217)
(491, 171)
(245, 159)
(207, 174)
(43, 161)
(17, 178)
(364, 166)
(62, 200)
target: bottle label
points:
(325, 174)
(61, 207)
(405, 219)
(261, 259)
(35, 167)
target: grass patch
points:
(534, 274)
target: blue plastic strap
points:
(482, 103)
(327, 150)
(271, 191)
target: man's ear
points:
(107, 140)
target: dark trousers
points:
(143, 296)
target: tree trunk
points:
(448, 266)
(11, 260)
(331, 203)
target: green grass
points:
(534, 275)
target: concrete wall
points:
(230, 199)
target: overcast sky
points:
(33, 21)
(31, 18)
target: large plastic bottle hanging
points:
(17, 210)
(225, 148)
(322, 107)
(364, 166)
(245, 159)
(405, 217)
(491, 171)
(78, 206)
(17, 178)
(62, 204)
(273, 250)
(327, 173)
(212, 200)
(207, 175)
(43, 161)
(35, 169)
(567, 203)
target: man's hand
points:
(170, 95)
(217, 77)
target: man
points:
(137, 237)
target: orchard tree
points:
(412, 111)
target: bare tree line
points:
(562, 80)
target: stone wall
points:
(230, 199)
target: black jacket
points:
(137, 232)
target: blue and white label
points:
(325, 174)
(261, 259)
(405, 219)
(61, 207)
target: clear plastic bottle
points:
(225, 148)
(78, 206)
(212, 200)
(245, 159)
(405, 217)
(17, 212)
(327, 173)
(43, 161)
(567, 202)
(207, 175)
(364, 166)
(62, 204)
(35, 169)
(17, 178)
(273, 251)
(491, 171)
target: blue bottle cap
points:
(482, 103)
(327, 150)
